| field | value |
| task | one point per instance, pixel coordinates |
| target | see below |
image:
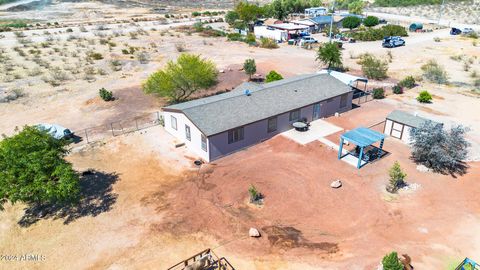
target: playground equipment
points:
(205, 260)
(468, 264)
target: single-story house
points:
(216, 126)
(315, 11)
(398, 124)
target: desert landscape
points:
(146, 205)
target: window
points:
(272, 124)
(294, 115)
(235, 135)
(187, 133)
(204, 143)
(173, 121)
(343, 101)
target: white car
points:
(309, 40)
(467, 31)
(56, 131)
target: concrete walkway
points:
(318, 129)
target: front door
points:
(316, 111)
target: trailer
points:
(271, 33)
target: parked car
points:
(467, 31)
(309, 40)
(455, 31)
(392, 42)
(56, 131)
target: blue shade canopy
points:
(363, 136)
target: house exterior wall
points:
(257, 132)
(276, 34)
(195, 145)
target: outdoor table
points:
(300, 126)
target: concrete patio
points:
(317, 131)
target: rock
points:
(253, 232)
(422, 168)
(336, 184)
(221, 71)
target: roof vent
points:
(247, 92)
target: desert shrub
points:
(373, 67)
(83, 29)
(143, 57)
(105, 94)
(181, 47)
(19, 34)
(268, 43)
(370, 21)
(407, 82)
(438, 149)
(476, 83)
(397, 89)
(255, 195)
(424, 97)
(273, 76)
(250, 39)
(196, 14)
(95, 56)
(234, 37)
(351, 22)
(437, 39)
(434, 72)
(391, 262)
(69, 30)
(378, 93)
(116, 65)
(473, 35)
(397, 178)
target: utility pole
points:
(441, 11)
(331, 22)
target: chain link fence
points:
(98, 133)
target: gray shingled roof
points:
(216, 114)
(407, 118)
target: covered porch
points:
(363, 138)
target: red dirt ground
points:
(303, 219)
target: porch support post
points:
(340, 149)
(359, 164)
(381, 148)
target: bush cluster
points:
(424, 97)
(268, 43)
(373, 67)
(434, 72)
(407, 82)
(397, 89)
(372, 34)
(378, 93)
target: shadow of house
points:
(96, 197)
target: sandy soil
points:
(151, 208)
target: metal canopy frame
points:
(362, 137)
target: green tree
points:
(356, 7)
(180, 79)
(273, 76)
(250, 67)
(370, 21)
(424, 97)
(373, 67)
(277, 10)
(33, 169)
(248, 12)
(231, 17)
(397, 178)
(351, 22)
(330, 55)
(391, 262)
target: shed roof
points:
(408, 119)
(216, 114)
(363, 136)
(325, 19)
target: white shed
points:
(398, 124)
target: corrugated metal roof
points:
(344, 77)
(223, 112)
